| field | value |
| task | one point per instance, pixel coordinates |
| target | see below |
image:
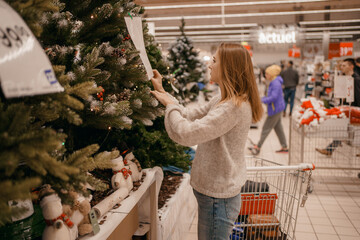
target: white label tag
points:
(134, 26)
(26, 204)
(25, 69)
(94, 221)
(344, 87)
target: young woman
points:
(275, 105)
(220, 130)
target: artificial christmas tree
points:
(119, 112)
(56, 138)
(32, 146)
(186, 68)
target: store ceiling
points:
(229, 20)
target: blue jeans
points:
(289, 93)
(332, 146)
(216, 216)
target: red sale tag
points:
(294, 52)
(248, 47)
(346, 49)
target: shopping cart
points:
(337, 135)
(270, 200)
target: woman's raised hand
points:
(157, 81)
(162, 97)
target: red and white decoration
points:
(312, 112)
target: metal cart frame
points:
(337, 135)
(270, 200)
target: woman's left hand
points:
(162, 97)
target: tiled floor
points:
(332, 210)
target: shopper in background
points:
(357, 66)
(275, 105)
(347, 68)
(220, 129)
(291, 80)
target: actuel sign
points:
(277, 37)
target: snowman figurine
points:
(122, 175)
(58, 224)
(134, 166)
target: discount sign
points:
(25, 69)
(346, 49)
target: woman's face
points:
(215, 68)
(267, 76)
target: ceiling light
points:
(209, 26)
(204, 37)
(329, 21)
(230, 4)
(206, 58)
(262, 14)
(334, 36)
(206, 40)
(204, 32)
(332, 33)
(329, 28)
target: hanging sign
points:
(25, 69)
(340, 49)
(346, 49)
(334, 50)
(248, 47)
(134, 26)
(294, 52)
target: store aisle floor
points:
(332, 210)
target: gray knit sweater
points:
(220, 131)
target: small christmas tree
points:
(187, 70)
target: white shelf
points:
(139, 206)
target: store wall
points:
(266, 54)
(263, 59)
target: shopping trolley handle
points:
(307, 166)
(301, 167)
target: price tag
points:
(25, 69)
(350, 90)
(94, 221)
(134, 26)
(18, 204)
(346, 49)
(344, 87)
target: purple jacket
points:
(275, 99)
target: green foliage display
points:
(59, 138)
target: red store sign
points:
(294, 52)
(248, 47)
(340, 49)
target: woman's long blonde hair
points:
(237, 78)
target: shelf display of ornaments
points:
(69, 222)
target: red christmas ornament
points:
(100, 94)
(126, 38)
